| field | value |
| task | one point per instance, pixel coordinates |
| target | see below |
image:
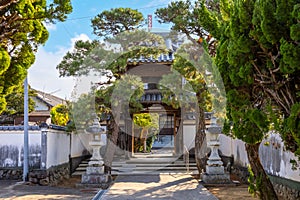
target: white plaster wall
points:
(189, 132)
(58, 148)
(39, 105)
(79, 143)
(274, 158)
(235, 147)
(16, 138)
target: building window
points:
(153, 97)
(166, 121)
(145, 86)
(152, 86)
(158, 97)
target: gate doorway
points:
(160, 139)
(166, 136)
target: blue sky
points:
(43, 75)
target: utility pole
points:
(26, 153)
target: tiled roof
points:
(49, 99)
(56, 127)
(160, 59)
(18, 128)
(21, 128)
(39, 113)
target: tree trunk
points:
(266, 190)
(143, 138)
(128, 132)
(200, 138)
(112, 139)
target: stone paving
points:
(19, 191)
(158, 187)
(145, 187)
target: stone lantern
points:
(215, 172)
(94, 175)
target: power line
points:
(67, 31)
(151, 7)
(90, 16)
(78, 18)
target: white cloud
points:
(158, 2)
(44, 76)
(81, 36)
(50, 27)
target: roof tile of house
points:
(49, 99)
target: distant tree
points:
(185, 19)
(80, 113)
(59, 115)
(117, 20)
(15, 104)
(15, 101)
(147, 122)
(22, 30)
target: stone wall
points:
(11, 173)
(286, 193)
(286, 189)
(51, 176)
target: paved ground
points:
(130, 187)
(158, 187)
(239, 192)
(19, 191)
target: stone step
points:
(144, 172)
(136, 168)
(155, 165)
(143, 165)
(152, 160)
(78, 173)
(153, 172)
(80, 168)
(140, 165)
(153, 168)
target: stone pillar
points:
(44, 130)
(215, 173)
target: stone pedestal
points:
(102, 181)
(215, 173)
